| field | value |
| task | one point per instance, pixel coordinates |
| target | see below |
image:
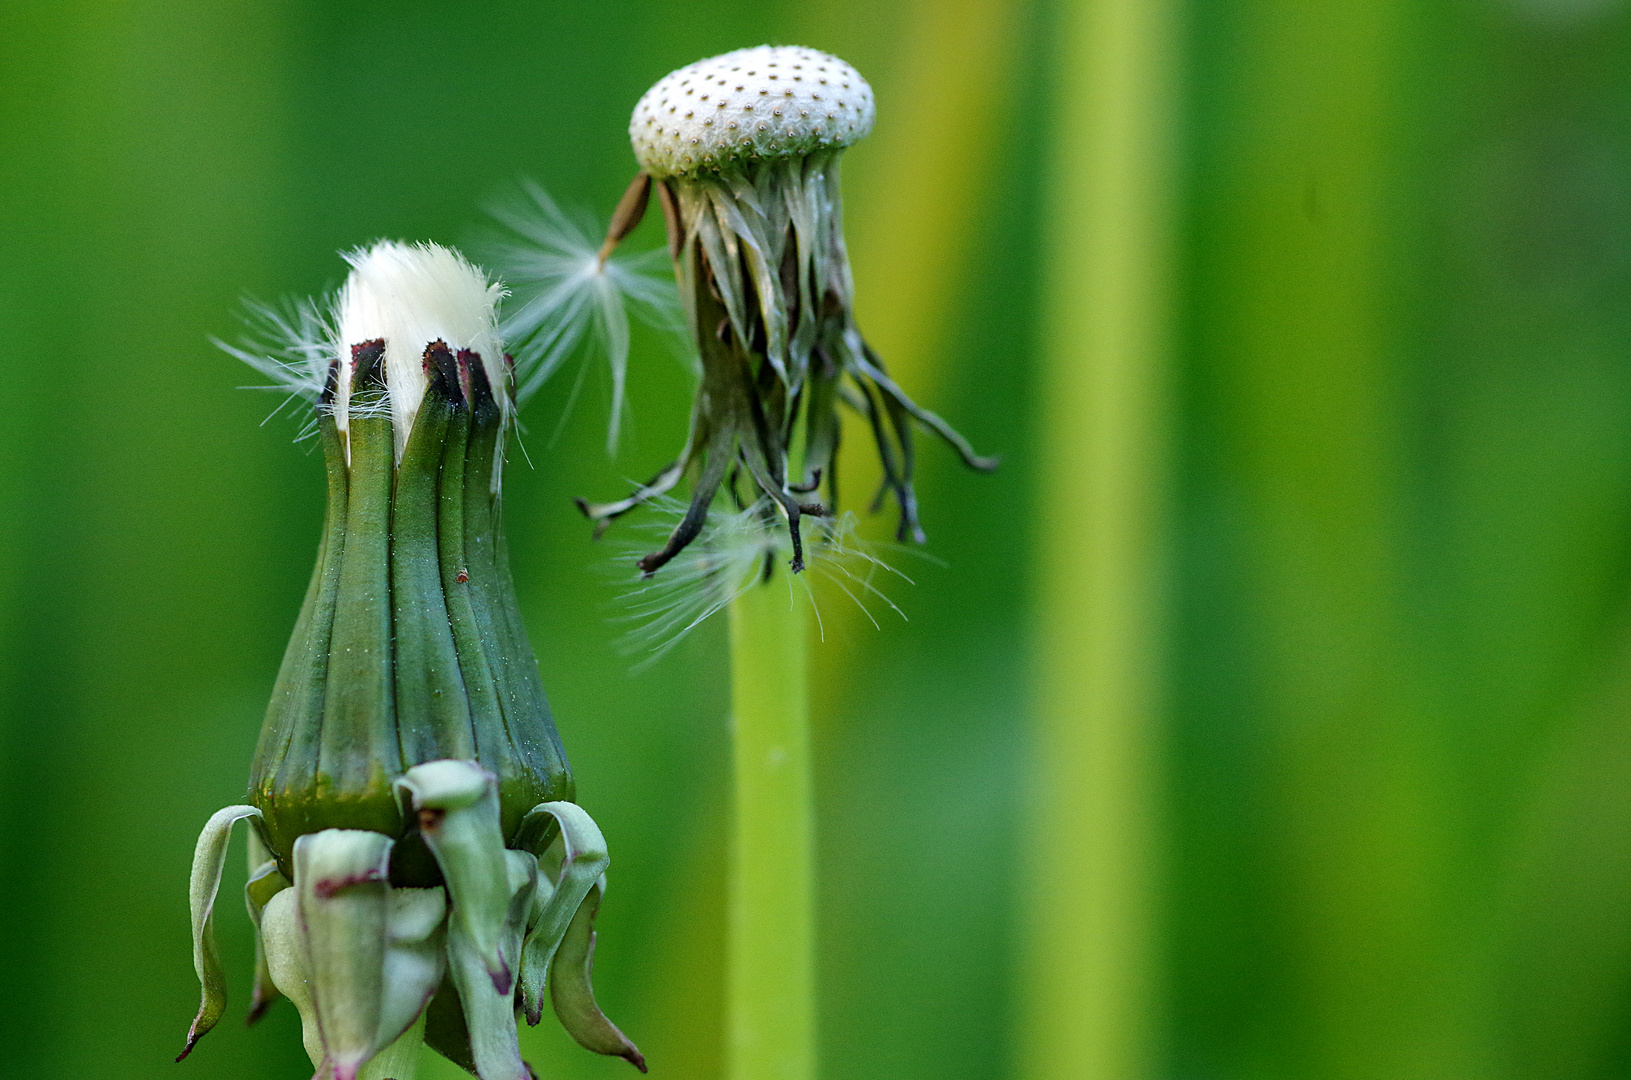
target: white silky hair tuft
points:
(291, 343)
(411, 295)
(731, 557)
(566, 294)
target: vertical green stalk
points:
(1307, 318)
(1089, 966)
(770, 933)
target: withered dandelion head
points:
(742, 151)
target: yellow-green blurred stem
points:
(1090, 977)
(770, 997)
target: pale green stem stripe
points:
(1090, 961)
(770, 933)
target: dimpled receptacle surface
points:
(764, 103)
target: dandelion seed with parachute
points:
(576, 290)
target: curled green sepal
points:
(583, 861)
(458, 813)
(286, 963)
(209, 859)
(413, 966)
(572, 992)
(342, 896)
(265, 881)
(489, 1013)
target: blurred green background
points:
(1394, 769)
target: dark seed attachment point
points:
(442, 371)
(366, 357)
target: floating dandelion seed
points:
(575, 288)
(751, 201)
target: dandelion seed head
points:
(752, 199)
(738, 79)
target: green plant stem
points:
(770, 935)
(1090, 952)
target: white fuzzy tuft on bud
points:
(410, 296)
(763, 103)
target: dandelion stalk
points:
(770, 935)
(1089, 968)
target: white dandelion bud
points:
(408, 768)
(401, 305)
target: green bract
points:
(410, 646)
(414, 850)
